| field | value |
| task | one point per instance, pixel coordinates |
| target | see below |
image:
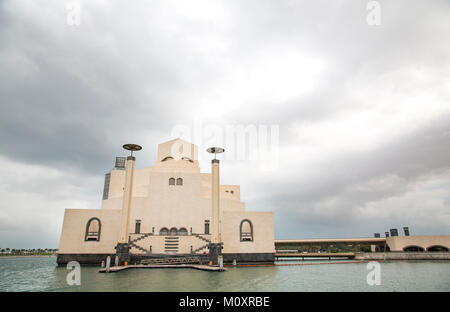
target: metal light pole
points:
(122, 248)
(215, 248)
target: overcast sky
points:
(363, 111)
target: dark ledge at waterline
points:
(97, 259)
(162, 266)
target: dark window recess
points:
(206, 226)
(246, 231)
(120, 163)
(179, 181)
(172, 181)
(106, 186)
(406, 230)
(93, 228)
(137, 228)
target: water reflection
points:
(42, 274)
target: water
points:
(42, 274)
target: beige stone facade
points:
(419, 243)
(170, 213)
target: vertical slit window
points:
(137, 227)
(106, 186)
(206, 226)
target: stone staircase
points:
(141, 237)
(200, 248)
(171, 244)
(138, 247)
(203, 239)
(133, 242)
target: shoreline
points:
(30, 256)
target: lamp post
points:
(122, 248)
(215, 247)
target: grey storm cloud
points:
(362, 110)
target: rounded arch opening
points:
(173, 232)
(188, 159)
(182, 232)
(437, 248)
(246, 231)
(164, 231)
(413, 248)
(93, 227)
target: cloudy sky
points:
(363, 111)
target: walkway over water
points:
(347, 255)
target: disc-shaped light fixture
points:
(132, 147)
(215, 150)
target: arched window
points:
(246, 231)
(173, 232)
(413, 248)
(179, 181)
(172, 181)
(93, 228)
(188, 159)
(182, 232)
(167, 158)
(164, 231)
(437, 248)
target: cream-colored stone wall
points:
(177, 149)
(116, 183)
(157, 204)
(397, 243)
(263, 234)
(74, 229)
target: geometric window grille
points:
(93, 228)
(246, 231)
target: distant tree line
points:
(26, 252)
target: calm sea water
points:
(42, 274)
